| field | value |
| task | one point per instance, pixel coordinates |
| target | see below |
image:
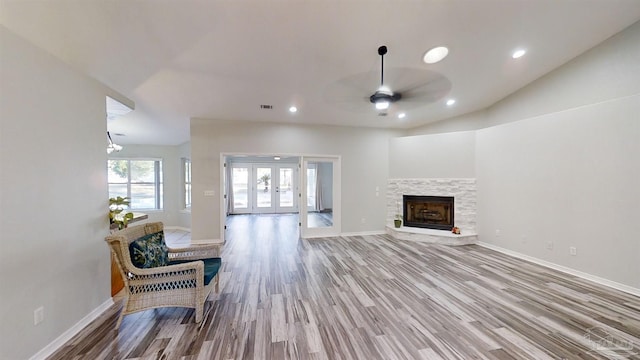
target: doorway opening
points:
(306, 187)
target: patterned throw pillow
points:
(149, 251)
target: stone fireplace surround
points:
(462, 189)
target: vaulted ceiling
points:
(221, 60)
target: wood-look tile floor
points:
(373, 297)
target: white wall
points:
(171, 156)
(570, 178)
(449, 155)
(471, 121)
(364, 155)
(565, 166)
(53, 203)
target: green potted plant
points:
(116, 207)
(398, 219)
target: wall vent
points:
(264, 106)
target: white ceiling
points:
(178, 59)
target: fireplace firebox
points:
(431, 212)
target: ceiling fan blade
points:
(352, 92)
(427, 93)
(425, 86)
(416, 87)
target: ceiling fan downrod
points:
(383, 97)
(382, 50)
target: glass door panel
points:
(320, 214)
(319, 194)
(240, 193)
(311, 186)
(286, 190)
(264, 189)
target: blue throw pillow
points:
(149, 251)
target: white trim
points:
(71, 332)
(363, 233)
(564, 269)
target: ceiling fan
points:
(383, 97)
(399, 89)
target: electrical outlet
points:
(549, 245)
(38, 315)
(523, 238)
(497, 232)
(573, 251)
(363, 221)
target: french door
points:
(264, 188)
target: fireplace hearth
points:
(431, 212)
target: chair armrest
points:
(192, 265)
(184, 275)
(195, 252)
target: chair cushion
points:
(211, 267)
(149, 251)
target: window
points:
(138, 179)
(186, 173)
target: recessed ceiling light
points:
(436, 54)
(451, 102)
(293, 109)
(402, 115)
(518, 53)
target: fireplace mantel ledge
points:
(442, 237)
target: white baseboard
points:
(363, 233)
(564, 269)
(67, 335)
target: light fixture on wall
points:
(111, 146)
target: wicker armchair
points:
(179, 284)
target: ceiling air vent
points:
(269, 107)
(382, 114)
